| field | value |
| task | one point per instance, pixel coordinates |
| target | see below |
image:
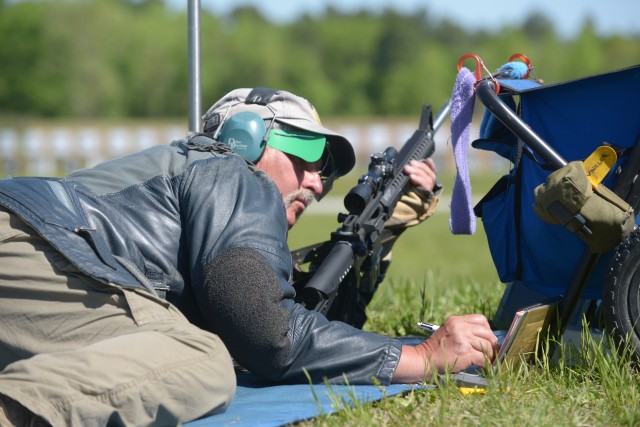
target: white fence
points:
(55, 148)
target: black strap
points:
(260, 95)
(211, 122)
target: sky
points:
(609, 16)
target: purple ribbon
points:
(462, 219)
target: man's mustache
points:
(304, 195)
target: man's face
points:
(298, 181)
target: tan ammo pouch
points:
(598, 216)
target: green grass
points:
(434, 275)
(599, 388)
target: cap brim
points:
(308, 146)
(341, 148)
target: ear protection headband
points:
(245, 132)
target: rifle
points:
(349, 265)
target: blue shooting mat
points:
(261, 403)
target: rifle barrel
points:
(442, 115)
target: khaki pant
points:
(75, 355)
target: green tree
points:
(29, 70)
(128, 58)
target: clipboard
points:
(529, 327)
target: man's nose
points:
(313, 182)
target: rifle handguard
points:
(319, 292)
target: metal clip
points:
(525, 60)
(478, 70)
(479, 64)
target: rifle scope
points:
(380, 167)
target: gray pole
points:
(194, 66)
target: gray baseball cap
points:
(282, 107)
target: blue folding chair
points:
(540, 128)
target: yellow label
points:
(599, 163)
(466, 391)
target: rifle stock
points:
(353, 254)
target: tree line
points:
(123, 58)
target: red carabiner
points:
(478, 71)
(525, 60)
(479, 64)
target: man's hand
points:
(420, 200)
(422, 174)
(461, 341)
